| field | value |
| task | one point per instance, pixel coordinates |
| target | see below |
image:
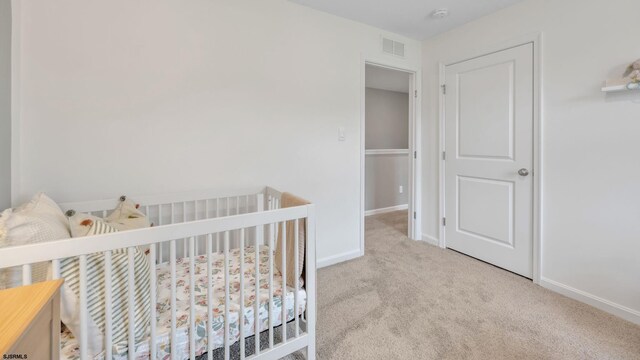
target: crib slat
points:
(55, 269)
(26, 274)
(228, 204)
(283, 305)
(172, 221)
(209, 297)
(275, 229)
(108, 346)
(297, 278)
(206, 216)
(310, 280)
(172, 260)
(192, 300)
(195, 217)
(130, 298)
(218, 234)
(184, 219)
(271, 285)
(152, 280)
(259, 208)
(256, 301)
(83, 308)
(160, 245)
(241, 315)
(226, 296)
(55, 274)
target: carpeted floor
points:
(410, 300)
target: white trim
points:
(335, 259)
(363, 91)
(536, 40)
(430, 240)
(386, 152)
(537, 157)
(441, 162)
(415, 166)
(16, 46)
(386, 210)
(593, 300)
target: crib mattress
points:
(69, 345)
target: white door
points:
(489, 158)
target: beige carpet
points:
(410, 300)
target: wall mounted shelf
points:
(618, 88)
(618, 85)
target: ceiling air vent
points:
(392, 47)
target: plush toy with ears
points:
(633, 71)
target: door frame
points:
(536, 40)
(414, 196)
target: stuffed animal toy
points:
(633, 71)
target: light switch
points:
(341, 136)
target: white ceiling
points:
(411, 18)
(385, 79)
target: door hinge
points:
(444, 89)
(415, 93)
(444, 221)
(415, 154)
(444, 155)
(414, 215)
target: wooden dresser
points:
(30, 321)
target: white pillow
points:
(37, 221)
(70, 295)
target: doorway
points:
(489, 157)
(389, 151)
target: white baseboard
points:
(595, 301)
(386, 210)
(431, 240)
(335, 259)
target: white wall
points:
(165, 95)
(590, 172)
(387, 119)
(386, 127)
(5, 104)
(384, 176)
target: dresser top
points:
(19, 307)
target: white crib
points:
(192, 226)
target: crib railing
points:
(206, 227)
(177, 208)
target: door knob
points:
(523, 172)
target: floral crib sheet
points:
(70, 347)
